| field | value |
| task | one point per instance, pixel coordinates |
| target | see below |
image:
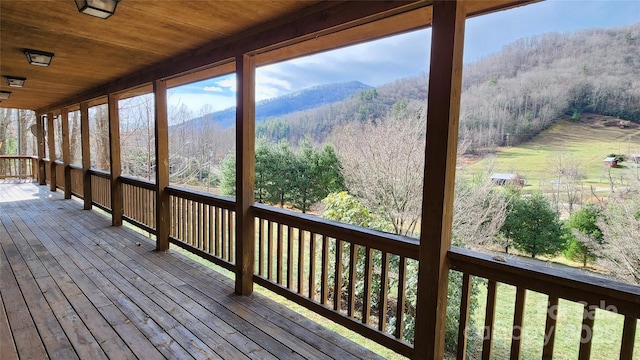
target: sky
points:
(384, 61)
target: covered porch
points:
(75, 287)
(97, 289)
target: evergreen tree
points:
(587, 235)
(300, 178)
(533, 226)
(228, 175)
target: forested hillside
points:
(509, 96)
(514, 94)
(300, 100)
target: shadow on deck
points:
(73, 286)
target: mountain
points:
(298, 101)
(507, 97)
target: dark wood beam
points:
(245, 173)
(41, 150)
(117, 206)
(51, 142)
(162, 165)
(443, 112)
(66, 156)
(86, 155)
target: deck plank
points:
(26, 339)
(72, 286)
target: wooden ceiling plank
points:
(330, 16)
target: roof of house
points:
(610, 159)
(504, 176)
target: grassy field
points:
(586, 143)
(607, 329)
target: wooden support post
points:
(117, 207)
(162, 165)
(40, 138)
(245, 173)
(443, 112)
(52, 152)
(66, 155)
(86, 155)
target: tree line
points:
(298, 177)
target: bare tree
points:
(383, 164)
(620, 254)
(99, 139)
(567, 189)
(5, 120)
(479, 212)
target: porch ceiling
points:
(147, 40)
(90, 51)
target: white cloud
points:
(229, 84)
(268, 87)
(196, 103)
(212, 88)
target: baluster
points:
(223, 233)
(324, 289)
(232, 236)
(366, 297)
(383, 299)
(289, 257)
(518, 316)
(489, 320)
(337, 291)
(587, 333)
(628, 338)
(218, 239)
(280, 254)
(351, 290)
(269, 251)
(312, 266)
(402, 278)
(463, 323)
(300, 261)
(260, 249)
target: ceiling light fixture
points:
(37, 57)
(15, 81)
(4, 94)
(98, 8)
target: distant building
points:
(611, 162)
(504, 179)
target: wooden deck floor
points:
(74, 287)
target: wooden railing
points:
(76, 181)
(47, 172)
(353, 276)
(593, 293)
(359, 277)
(139, 200)
(203, 224)
(59, 174)
(101, 189)
(21, 167)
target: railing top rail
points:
(205, 198)
(18, 157)
(568, 284)
(390, 243)
(75, 167)
(59, 162)
(142, 183)
(100, 173)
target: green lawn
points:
(607, 330)
(586, 143)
